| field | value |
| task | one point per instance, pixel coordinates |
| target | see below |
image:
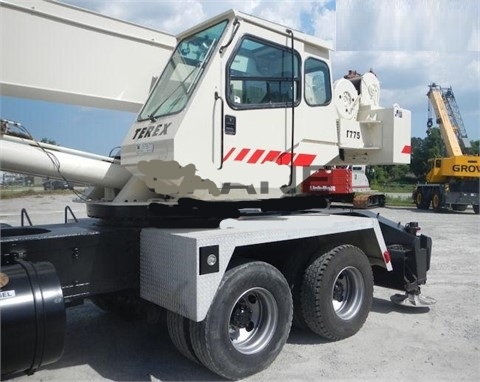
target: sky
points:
(408, 43)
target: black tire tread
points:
(179, 331)
(424, 204)
(201, 331)
(316, 319)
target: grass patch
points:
(393, 187)
(398, 202)
(12, 194)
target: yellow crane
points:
(451, 181)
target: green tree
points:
(475, 150)
(387, 174)
(424, 149)
(434, 144)
(418, 158)
(398, 172)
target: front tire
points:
(421, 200)
(337, 292)
(247, 324)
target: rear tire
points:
(437, 200)
(179, 331)
(337, 292)
(476, 209)
(247, 324)
(294, 271)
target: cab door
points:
(262, 86)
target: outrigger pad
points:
(412, 300)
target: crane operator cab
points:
(247, 108)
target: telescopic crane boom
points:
(448, 128)
(453, 112)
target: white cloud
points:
(165, 16)
(173, 16)
(324, 24)
(434, 25)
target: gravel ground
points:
(396, 344)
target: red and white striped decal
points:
(254, 156)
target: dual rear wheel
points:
(247, 324)
(337, 292)
(249, 320)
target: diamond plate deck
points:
(169, 258)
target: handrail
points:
(24, 214)
(68, 209)
(222, 127)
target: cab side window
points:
(262, 74)
(317, 82)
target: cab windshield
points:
(182, 73)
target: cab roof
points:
(241, 16)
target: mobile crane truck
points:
(200, 214)
(452, 181)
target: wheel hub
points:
(339, 290)
(347, 293)
(242, 317)
(253, 321)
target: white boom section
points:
(42, 159)
(60, 53)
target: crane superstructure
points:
(451, 181)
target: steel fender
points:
(181, 269)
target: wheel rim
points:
(253, 321)
(348, 293)
(435, 201)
